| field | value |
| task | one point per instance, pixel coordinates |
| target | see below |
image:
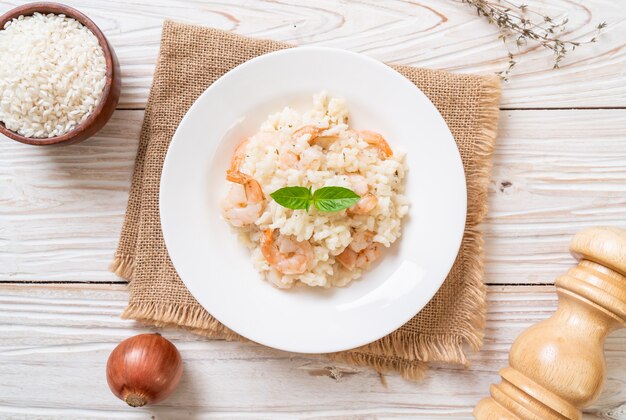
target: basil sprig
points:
(297, 198)
(334, 198)
(326, 199)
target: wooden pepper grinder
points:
(557, 366)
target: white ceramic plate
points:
(217, 268)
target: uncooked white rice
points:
(52, 74)
(346, 162)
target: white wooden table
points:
(560, 166)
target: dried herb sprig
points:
(514, 24)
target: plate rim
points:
(391, 71)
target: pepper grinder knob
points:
(557, 367)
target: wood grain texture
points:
(555, 172)
(54, 342)
(430, 33)
(61, 209)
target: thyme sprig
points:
(514, 24)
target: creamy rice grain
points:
(344, 160)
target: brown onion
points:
(144, 369)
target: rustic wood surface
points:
(59, 337)
(559, 167)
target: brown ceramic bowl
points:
(110, 96)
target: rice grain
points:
(52, 74)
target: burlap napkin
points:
(190, 59)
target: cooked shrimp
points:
(362, 259)
(238, 156)
(367, 203)
(368, 255)
(310, 158)
(287, 156)
(360, 240)
(368, 200)
(307, 129)
(238, 210)
(285, 254)
(245, 202)
(252, 188)
(376, 140)
(323, 141)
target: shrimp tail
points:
(268, 237)
(294, 260)
(267, 246)
(376, 140)
(253, 190)
(235, 176)
(307, 129)
(367, 203)
(238, 156)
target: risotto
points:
(314, 150)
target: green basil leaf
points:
(334, 198)
(297, 198)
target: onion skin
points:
(144, 369)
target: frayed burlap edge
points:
(422, 348)
(192, 318)
(123, 266)
(484, 148)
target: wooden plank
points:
(54, 342)
(555, 172)
(432, 33)
(62, 207)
